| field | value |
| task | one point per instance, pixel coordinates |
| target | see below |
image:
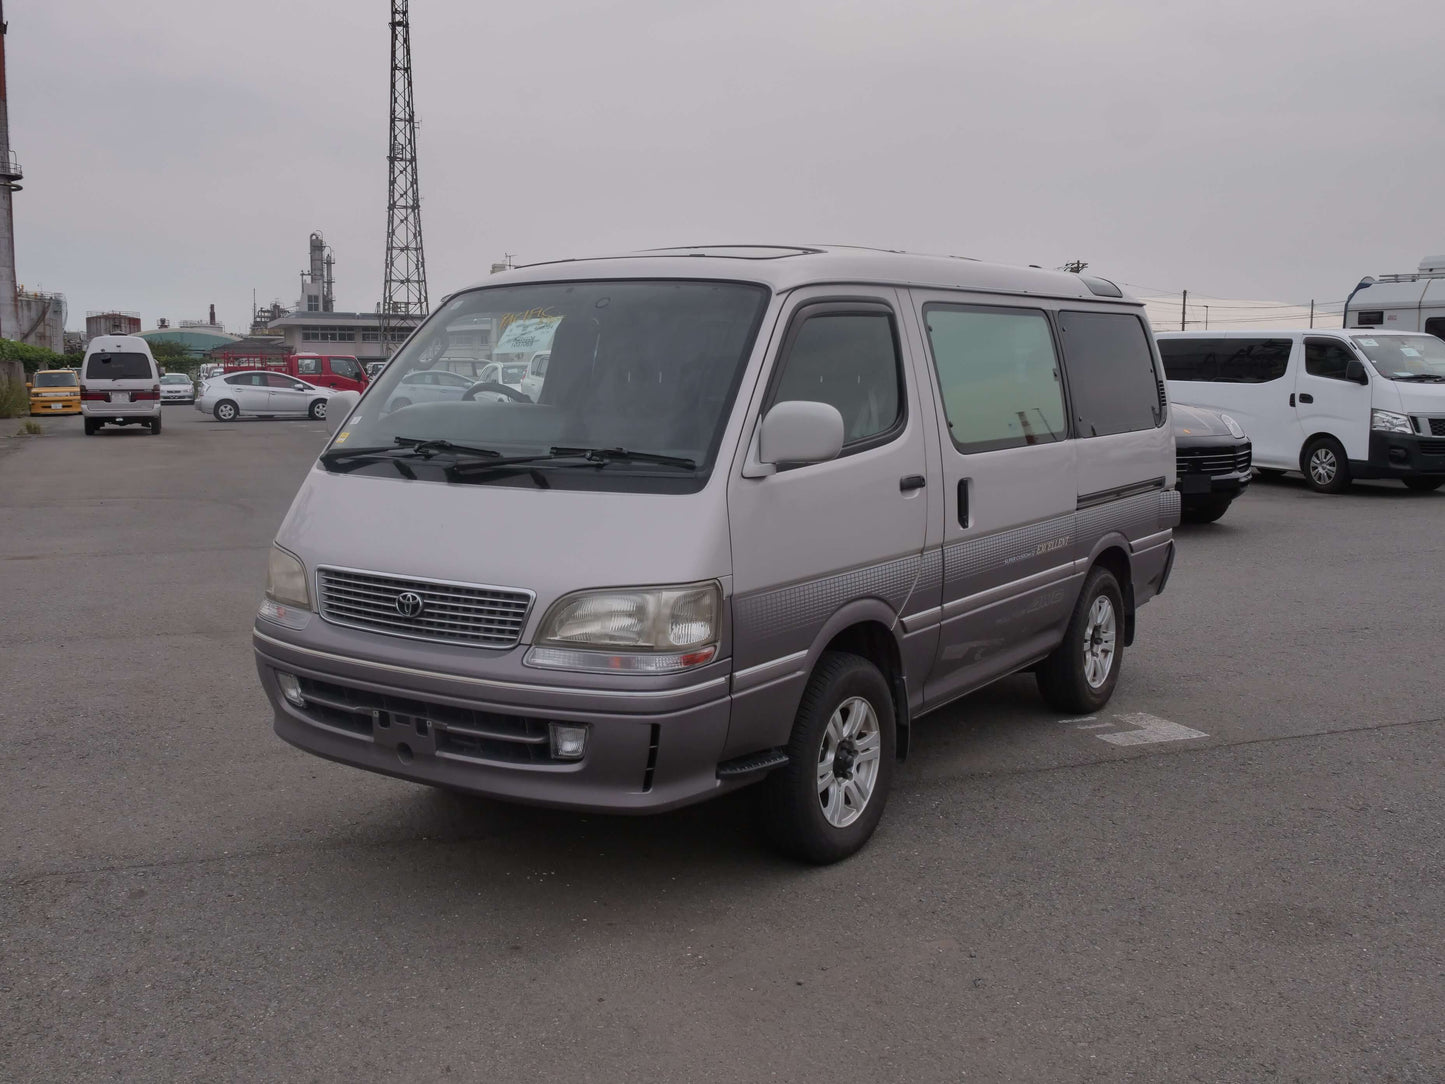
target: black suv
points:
(1212, 459)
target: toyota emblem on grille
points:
(409, 604)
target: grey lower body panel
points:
(635, 762)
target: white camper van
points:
(1409, 302)
(1334, 405)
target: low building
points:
(355, 333)
(198, 339)
(111, 322)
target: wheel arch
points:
(1112, 552)
(868, 628)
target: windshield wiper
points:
(429, 448)
(599, 456)
(1434, 377)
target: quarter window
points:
(1327, 358)
(1225, 361)
(998, 374)
(308, 366)
(1112, 380)
(850, 361)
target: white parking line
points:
(1151, 729)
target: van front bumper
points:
(1399, 455)
(645, 752)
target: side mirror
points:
(1355, 370)
(339, 408)
(796, 433)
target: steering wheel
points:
(513, 394)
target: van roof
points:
(1280, 332)
(118, 344)
(787, 267)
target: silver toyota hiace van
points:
(767, 507)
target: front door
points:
(1327, 402)
(809, 540)
(1009, 486)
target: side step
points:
(765, 761)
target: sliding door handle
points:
(909, 482)
(1306, 397)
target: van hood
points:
(549, 541)
(1415, 398)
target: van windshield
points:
(650, 366)
(1405, 357)
(55, 380)
(118, 366)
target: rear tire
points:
(318, 410)
(1206, 511)
(225, 411)
(824, 804)
(1424, 483)
(156, 427)
(91, 427)
(1080, 675)
(1324, 465)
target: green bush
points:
(32, 357)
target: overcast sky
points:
(179, 152)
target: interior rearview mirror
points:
(339, 408)
(1355, 370)
(796, 433)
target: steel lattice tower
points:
(404, 289)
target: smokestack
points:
(9, 178)
(213, 315)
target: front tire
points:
(1080, 675)
(1424, 483)
(225, 411)
(318, 410)
(1325, 467)
(824, 804)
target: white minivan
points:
(1334, 405)
(769, 506)
(120, 384)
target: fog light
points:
(291, 689)
(568, 742)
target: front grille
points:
(1433, 447)
(450, 613)
(458, 732)
(1437, 427)
(1212, 461)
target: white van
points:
(1333, 405)
(769, 506)
(120, 384)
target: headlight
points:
(286, 579)
(1387, 421)
(1235, 429)
(654, 630)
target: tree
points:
(173, 357)
(32, 357)
(1076, 266)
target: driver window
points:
(848, 360)
(1327, 358)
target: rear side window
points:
(118, 366)
(998, 374)
(1225, 361)
(1327, 358)
(1112, 380)
(849, 360)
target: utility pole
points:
(404, 285)
(1206, 317)
(1312, 312)
(10, 177)
(1183, 308)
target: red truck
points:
(340, 371)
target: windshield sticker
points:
(524, 335)
(341, 437)
(1368, 342)
(1409, 351)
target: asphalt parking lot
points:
(1233, 873)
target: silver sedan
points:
(263, 394)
